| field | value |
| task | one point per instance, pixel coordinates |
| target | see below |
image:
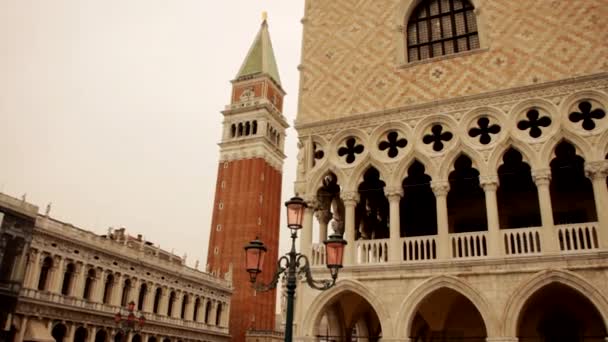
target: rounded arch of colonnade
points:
(518, 299)
(414, 299)
(315, 311)
(440, 168)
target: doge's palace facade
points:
(461, 148)
(76, 281)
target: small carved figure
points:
(48, 209)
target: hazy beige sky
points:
(111, 109)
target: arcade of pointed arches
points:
(525, 316)
(520, 169)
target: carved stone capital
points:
(596, 169)
(489, 183)
(542, 176)
(324, 216)
(393, 194)
(349, 198)
(440, 188)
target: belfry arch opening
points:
(466, 199)
(417, 209)
(447, 315)
(517, 196)
(571, 191)
(348, 317)
(371, 213)
(557, 313)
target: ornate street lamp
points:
(294, 263)
(129, 322)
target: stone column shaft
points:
(597, 172)
(32, 270)
(149, 300)
(542, 178)
(176, 311)
(490, 185)
(350, 202)
(189, 315)
(441, 190)
(164, 302)
(395, 246)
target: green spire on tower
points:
(260, 58)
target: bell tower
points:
(248, 187)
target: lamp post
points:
(293, 263)
(130, 323)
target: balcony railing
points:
(419, 248)
(74, 302)
(372, 251)
(516, 242)
(577, 237)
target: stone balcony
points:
(565, 239)
(79, 304)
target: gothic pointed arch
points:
(447, 165)
(529, 287)
(582, 147)
(572, 195)
(360, 170)
(401, 171)
(529, 156)
(314, 313)
(413, 300)
(316, 180)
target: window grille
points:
(441, 27)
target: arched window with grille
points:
(441, 27)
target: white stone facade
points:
(76, 281)
(472, 191)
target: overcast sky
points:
(111, 109)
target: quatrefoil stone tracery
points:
(484, 130)
(534, 123)
(587, 115)
(350, 150)
(437, 137)
(392, 143)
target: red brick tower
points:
(248, 190)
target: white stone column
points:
(306, 231)
(134, 293)
(164, 301)
(115, 294)
(149, 300)
(441, 189)
(32, 270)
(176, 311)
(350, 200)
(323, 217)
(189, 314)
(92, 331)
(57, 273)
(597, 172)
(225, 315)
(21, 335)
(80, 278)
(70, 333)
(19, 264)
(395, 247)
(490, 185)
(98, 286)
(542, 178)
(213, 313)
